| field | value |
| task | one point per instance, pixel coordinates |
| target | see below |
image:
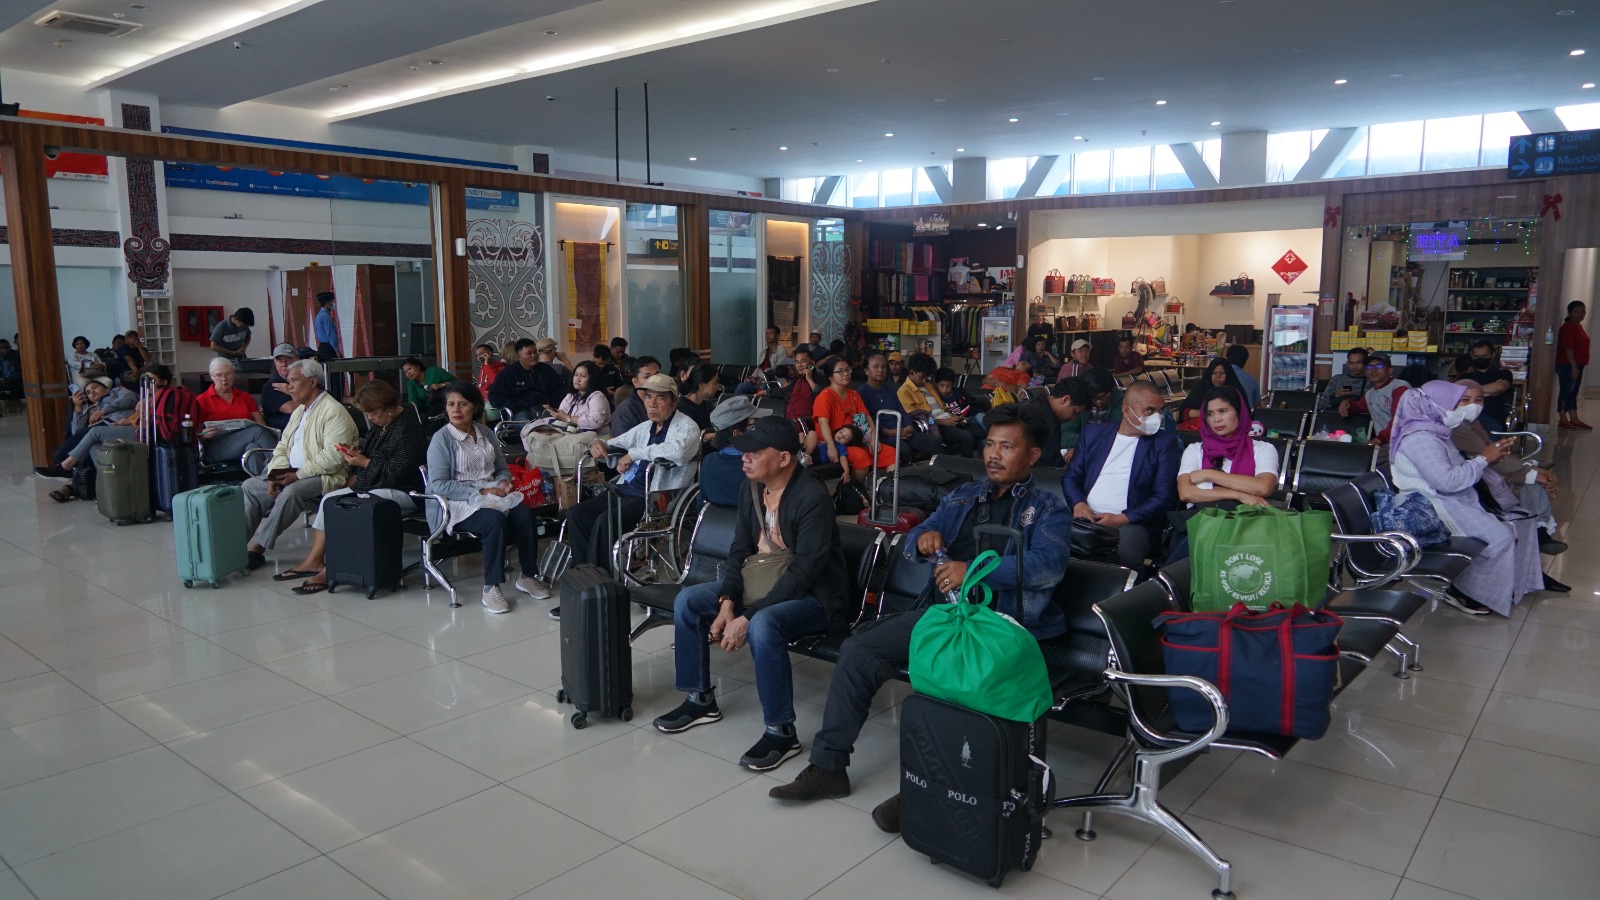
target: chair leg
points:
(429, 568)
(652, 618)
(1404, 669)
(1415, 651)
(1118, 763)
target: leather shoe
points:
(886, 815)
(1548, 545)
(253, 560)
(1555, 587)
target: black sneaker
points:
(688, 715)
(770, 752)
(1556, 587)
(886, 815)
(1549, 546)
(52, 471)
(814, 783)
(554, 613)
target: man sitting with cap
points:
(784, 510)
(665, 436)
(722, 475)
(527, 386)
(1077, 361)
(276, 404)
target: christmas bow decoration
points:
(1552, 204)
(1330, 216)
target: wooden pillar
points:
(694, 255)
(1579, 226)
(855, 237)
(455, 320)
(1332, 266)
(1019, 280)
(33, 272)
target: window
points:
(1395, 147)
(924, 185)
(1287, 154)
(864, 190)
(1211, 152)
(1451, 143)
(1498, 130)
(1167, 171)
(1580, 118)
(1091, 172)
(799, 190)
(897, 187)
(1006, 176)
(1355, 162)
(1130, 169)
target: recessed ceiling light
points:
(938, 99)
(1161, 103)
(1341, 81)
(1576, 53)
(860, 160)
(888, 134)
(1215, 124)
(435, 62)
(1398, 75)
(783, 148)
(1077, 137)
(886, 61)
(142, 6)
(983, 224)
(694, 159)
(1012, 119)
(833, 71)
(1098, 78)
(961, 149)
(1564, 12)
(1587, 85)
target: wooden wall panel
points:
(33, 274)
(694, 255)
(1579, 226)
(450, 223)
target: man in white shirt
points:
(1124, 474)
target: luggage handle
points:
(1010, 534)
(894, 473)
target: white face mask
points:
(1148, 425)
(1472, 412)
(1462, 414)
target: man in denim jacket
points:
(875, 653)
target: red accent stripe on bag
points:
(1225, 656)
(1286, 651)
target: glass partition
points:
(656, 313)
(507, 259)
(734, 308)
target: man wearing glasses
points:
(1383, 390)
(874, 653)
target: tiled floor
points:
(169, 743)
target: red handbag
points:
(1055, 282)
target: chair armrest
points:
(444, 509)
(244, 461)
(1538, 442)
(1178, 747)
(1397, 545)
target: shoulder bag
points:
(1091, 539)
(761, 571)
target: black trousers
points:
(589, 532)
(326, 354)
(873, 655)
(495, 529)
(1134, 542)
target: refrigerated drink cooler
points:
(1290, 347)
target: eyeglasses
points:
(1377, 366)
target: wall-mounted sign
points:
(931, 223)
(67, 165)
(1554, 153)
(1289, 267)
(1438, 243)
(661, 247)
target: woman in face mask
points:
(1425, 461)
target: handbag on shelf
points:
(1091, 539)
(1055, 282)
(1129, 321)
(1104, 285)
(1174, 305)
(1159, 285)
(1091, 322)
(1072, 323)
(1276, 669)
(1243, 286)
(1223, 289)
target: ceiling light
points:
(888, 134)
(1341, 81)
(983, 224)
(1215, 124)
(1161, 103)
(1398, 75)
(142, 6)
(1564, 12)
(938, 99)
(783, 148)
(886, 61)
(435, 62)
(1587, 85)
(1012, 119)
(860, 160)
(1576, 53)
(961, 149)
(550, 33)
(833, 71)
(694, 159)
(1098, 78)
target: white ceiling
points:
(733, 100)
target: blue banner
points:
(330, 187)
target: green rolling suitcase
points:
(122, 481)
(208, 530)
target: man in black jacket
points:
(1067, 398)
(527, 386)
(785, 509)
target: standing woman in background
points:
(1572, 355)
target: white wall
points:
(230, 289)
(89, 300)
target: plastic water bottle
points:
(188, 429)
(1549, 335)
(954, 594)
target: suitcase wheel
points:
(996, 881)
(627, 714)
(371, 593)
(561, 695)
(580, 720)
(215, 585)
(188, 583)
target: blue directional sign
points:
(1554, 153)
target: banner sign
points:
(71, 166)
(932, 223)
(1554, 153)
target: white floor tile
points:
(1405, 756)
(1429, 703)
(280, 743)
(1576, 611)
(289, 637)
(742, 725)
(1416, 890)
(473, 629)
(1262, 867)
(1529, 785)
(1550, 679)
(899, 871)
(321, 878)
(233, 613)
(52, 814)
(490, 846)
(11, 887)
(343, 801)
(50, 746)
(1446, 624)
(1489, 855)
(67, 615)
(342, 667)
(513, 738)
(1463, 664)
(406, 609)
(198, 853)
(210, 703)
(16, 662)
(716, 843)
(130, 675)
(426, 697)
(535, 662)
(99, 642)
(1559, 642)
(24, 700)
(660, 778)
(1541, 726)
(625, 872)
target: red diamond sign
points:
(1290, 267)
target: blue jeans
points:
(1571, 378)
(771, 630)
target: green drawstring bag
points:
(968, 654)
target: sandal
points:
(292, 574)
(63, 495)
(310, 587)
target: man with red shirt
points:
(1572, 355)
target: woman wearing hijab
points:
(1227, 467)
(1424, 460)
(1218, 374)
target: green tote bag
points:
(968, 654)
(1259, 555)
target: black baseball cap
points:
(773, 431)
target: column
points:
(33, 272)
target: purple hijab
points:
(1238, 447)
(1421, 411)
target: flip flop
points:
(310, 587)
(292, 574)
(62, 496)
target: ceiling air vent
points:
(78, 23)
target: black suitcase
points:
(177, 469)
(83, 480)
(596, 660)
(364, 542)
(973, 789)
